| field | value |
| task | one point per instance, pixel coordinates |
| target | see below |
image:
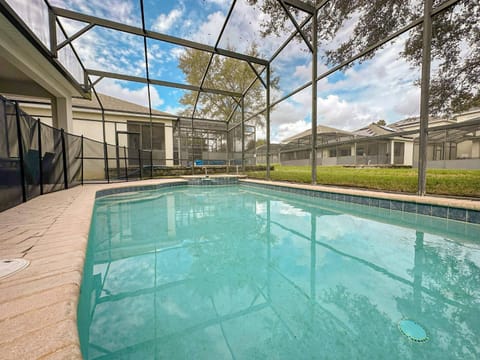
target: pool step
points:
(211, 180)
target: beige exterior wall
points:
(476, 149)
(42, 112)
(87, 122)
(464, 150)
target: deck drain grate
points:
(11, 266)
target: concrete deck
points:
(38, 306)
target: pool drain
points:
(412, 330)
(11, 266)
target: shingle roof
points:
(405, 122)
(114, 104)
(321, 129)
(415, 121)
(374, 130)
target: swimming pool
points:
(242, 272)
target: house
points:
(261, 153)
(295, 150)
(453, 142)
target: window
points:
(372, 149)
(398, 149)
(141, 134)
(438, 151)
(287, 156)
(332, 153)
(158, 137)
(360, 150)
(345, 151)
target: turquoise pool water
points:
(244, 273)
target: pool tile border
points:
(471, 216)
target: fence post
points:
(105, 159)
(140, 163)
(40, 152)
(64, 156)
(151, 164)
(125, 158)
(20, 152)
(117, 152)
(81, 154)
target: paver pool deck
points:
(38, 305)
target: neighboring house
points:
(261, 154)
(452, 143)
(126, 124)
(296, 149)
(382, 145)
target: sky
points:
(380, 88)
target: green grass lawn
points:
(439, 181)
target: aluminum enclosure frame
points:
(311, 11)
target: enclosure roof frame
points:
(309, 8)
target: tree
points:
(226, 74)
(455, 44)
(381, 122)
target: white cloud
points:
(126, 11)
(289, 117)
(303, 72)
(176, 52)
(172, 109)
(165, 21)
(335, 112)
(381, 88)
(409, 102)
(208, 30)
(288, 111)
(106, 50)
(244, 28)
(221, 3)
(139, 96)
(286, 130)
(344, 33)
